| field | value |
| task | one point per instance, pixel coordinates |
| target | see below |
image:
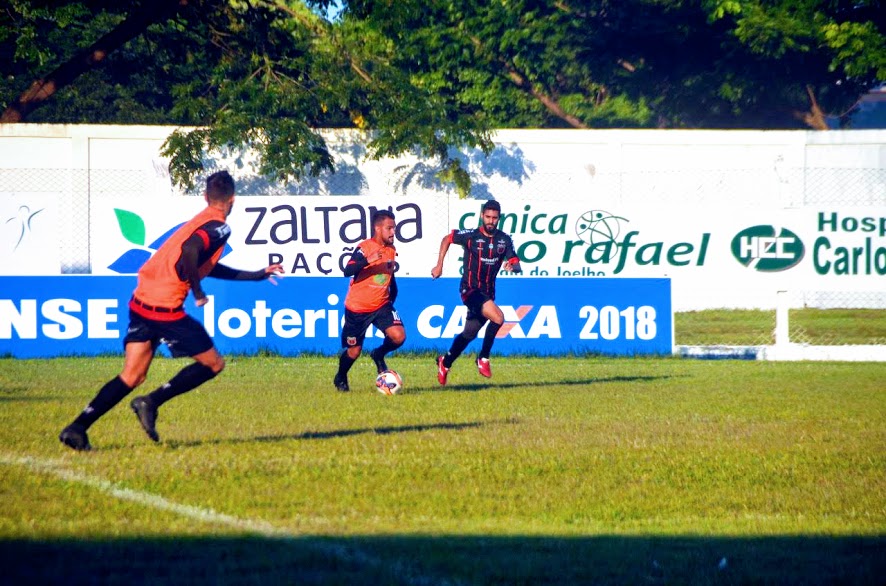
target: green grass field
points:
(757, 327)
(557, 470)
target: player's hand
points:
(436, 272)
(201, 302)
(274, 270)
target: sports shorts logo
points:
(767, 249)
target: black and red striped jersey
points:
(483, 257)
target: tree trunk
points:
(814, 118)
(135, 24)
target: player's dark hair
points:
(219, 186)
(491, 205)
(380, 216)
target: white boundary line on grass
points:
(55, 468)
(207, 515)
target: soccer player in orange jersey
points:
(486, 249)
(156, 315)
(370, 299)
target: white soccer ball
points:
(389, 382)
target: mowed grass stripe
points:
(558, 470)
(346, 554)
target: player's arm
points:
(221, 271)
(356, 263)
(392, 289)
(188, 266)
(441, 256)
(512, 262)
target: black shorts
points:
(183, 337)
(474, 299)
(356, 324)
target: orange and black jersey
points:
(164, 281)
(483, 257)
(191, 253)
(372, 283)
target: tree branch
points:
(525, 85)
(314, 24)
(135, 24)
(815, 117)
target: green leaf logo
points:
(131, 226)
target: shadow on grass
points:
(27, 399)
(20, 394)
(337, 433)
(447, 559)
(481, 386)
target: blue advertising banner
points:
(51, 316)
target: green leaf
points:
(131, 226)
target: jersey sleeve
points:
(198, 249)
(356, 263)
(510, 253)
(460, 237)
(214, 235)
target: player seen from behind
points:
(156, 315)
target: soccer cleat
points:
(484, 368)
(380, 363)
(74, 436)
(341, 383)
(147, 416)
(442, 371)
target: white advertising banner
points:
(29, 239)
(715, 256)
(312, 236)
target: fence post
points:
(782, 329)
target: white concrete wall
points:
(60, 184)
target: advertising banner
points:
(29, 239)
(88, 315)
(311, 236)
(715, 256)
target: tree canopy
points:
(430, 76)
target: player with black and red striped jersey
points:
(486, 250)
(157, 315)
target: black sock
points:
(187, 379)
(386, 346)
(458, 346)
(344, 364)
(109, 395)
(488, 339)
